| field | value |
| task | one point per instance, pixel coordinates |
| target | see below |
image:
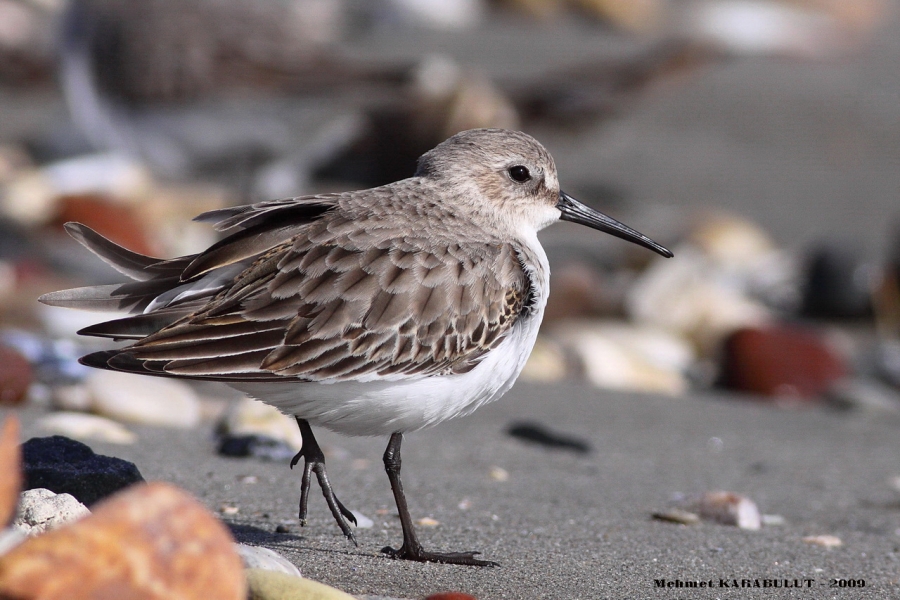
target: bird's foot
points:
(449, 558)
(314, 462)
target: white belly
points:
(383, 407)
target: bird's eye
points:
(519, 174)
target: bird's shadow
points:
(257, 536)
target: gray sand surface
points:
(577, 526)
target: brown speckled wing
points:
(342, 300)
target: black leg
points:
(315, 463)
(411, 548)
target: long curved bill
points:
(576, 212)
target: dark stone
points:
(65, 466)
(538, 434)
(256, 446)
(838, 285)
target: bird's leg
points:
(314, 462)
(411, 548)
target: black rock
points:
(532, 432)
(838, 284)
(256, 446)
(65, 466)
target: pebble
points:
(727, 508)
(273, 585)
(16, 375)
(692, 296)
(826, 541)
(255, 446)
(428, 522)
(10, 468)
(144, 400)
(676, 515)
(362, 521)
(838, 284)
(153, 542)
(780, 361)
(65, 466)
(41, 510)
(252, 417)
(499, 474)
(84, 426)
(625, 357)
(257, 557)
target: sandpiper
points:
(373, 312)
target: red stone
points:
(16, 376)
(153, 542)
(780, 361)
(450, 596)
(10, 469)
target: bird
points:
(370, 313)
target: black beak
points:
(575, 211)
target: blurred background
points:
(759, 139)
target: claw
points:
(314, 462)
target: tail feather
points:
(136, 327)
(129, 297)
(131, 264)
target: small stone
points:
(731, 241)
(145, 400)
(826, 541)
(229, 509)
(428, 522)
(274, 585)
(65, 466)
(251, 417)
(692, 296)
(728, 508)
(257, 557)
(10, 469)
(282, 528)
(626, 357)
(780, 361)
(499, 474)
(839, 284)
(677, 515)
(84, 426)
(773, 520)
(41, 510)
(153, 542)
(362, 521)
(450, 596)
(16, 376)
(256, 446)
